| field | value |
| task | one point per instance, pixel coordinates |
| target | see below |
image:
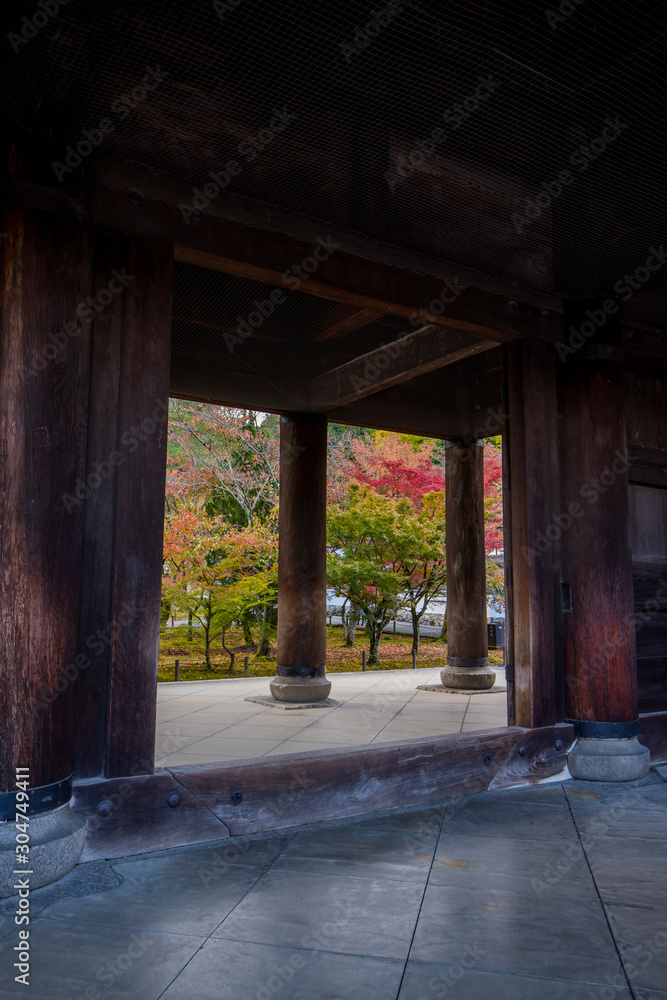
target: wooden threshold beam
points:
(201, 802)
(198, 803)
(425, 350)
(252, 239)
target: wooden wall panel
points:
(646, 410)
(648, 540)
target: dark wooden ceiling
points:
(358, 102)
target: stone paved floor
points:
(553, 892)
(204, 721)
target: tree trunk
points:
(230, 652)
(443, 631)
(416, 618)
(189, 626)
(247, 631)
(375, 634)
(350, 624)
(264, 648)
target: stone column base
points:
(609, 759)
(56, 843)
(468, 673)
(301, 689)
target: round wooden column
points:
(46, 262)
(302, 577)
(467, 638)
(598, 606)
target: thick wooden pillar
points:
(532, 524)
(467, 637)
(302, 578)
(46, 261)
(599, 626)
(122, 496)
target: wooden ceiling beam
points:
(349, 324)
(252, 239)
(425, 350)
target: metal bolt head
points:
(174, 800)
(134, 197)
(104, 809)
(513, 306)
(522, 751)
(558, 744)
(237, 796)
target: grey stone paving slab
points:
(95, 876)
(113, 963)
(428, 981)
(631, 876)
(541, 867)
(340, 913)
(233, 970)
(258, 852)
(364, 849)
(493, 813)
(548, 794)
(641, 935)
(550, 936)
(629, 819)
(163, 894)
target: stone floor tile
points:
(234, 970)
(552, 936)
(641, 935)
(428, 981)
(540, 867)
(364, 849)
(631, 876)
(256, 852)
(340, 913)
(237, 745)
(165, 894)
(632, 818)
(112, 963)
(491, 814)
(182, 759)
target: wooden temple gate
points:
(119, 291)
